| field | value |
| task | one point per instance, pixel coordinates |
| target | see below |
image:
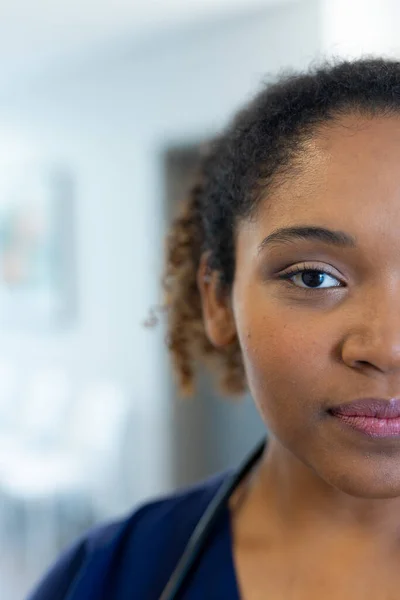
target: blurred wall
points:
(108, 120)
(357, 28)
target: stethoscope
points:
(198, 539)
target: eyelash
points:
(306, 269)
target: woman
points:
(283, 273)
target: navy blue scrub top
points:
(133, 559)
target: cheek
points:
(286, 361)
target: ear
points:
(218, 316)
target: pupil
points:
(312, 278)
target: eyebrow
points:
(319, 234)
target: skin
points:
(320, 515)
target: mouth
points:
(372, 426)
(374, 417)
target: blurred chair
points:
(8, 387)
(8, 420)
(36, 414)
(80, 473)
(32, 414)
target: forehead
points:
(348, 174)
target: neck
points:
(285, 494)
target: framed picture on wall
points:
(37, 267)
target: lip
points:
(374, 417)
(370, 407)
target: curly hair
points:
(235, 173)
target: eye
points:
(310, 278)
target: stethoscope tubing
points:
(198, 540)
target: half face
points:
(317, 308)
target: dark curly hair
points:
(236, 171)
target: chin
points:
(363, 485)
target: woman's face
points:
(316, 341)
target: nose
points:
(375, 341)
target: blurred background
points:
(103, 106)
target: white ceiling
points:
(37, 33)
